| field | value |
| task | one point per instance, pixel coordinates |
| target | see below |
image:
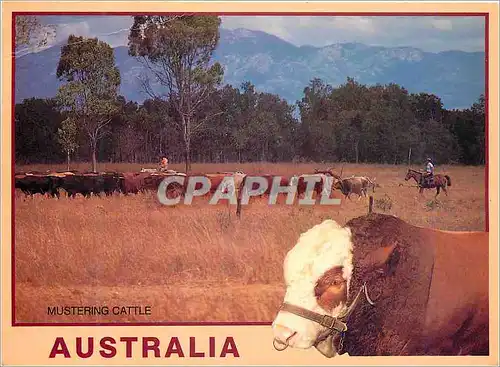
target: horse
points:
(438, 181)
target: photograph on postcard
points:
(325, 175)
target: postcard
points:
(249, 183)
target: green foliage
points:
(90, 93)
(67, 135)
(178, 50)
(36, 124)
(245, 125)
(179, 39)
(381, 123)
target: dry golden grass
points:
(197, 263)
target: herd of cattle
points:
(109, 183)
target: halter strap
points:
(327, 321)
(332, 323)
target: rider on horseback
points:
(429, 172)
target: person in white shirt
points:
(429, 172)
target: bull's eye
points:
(331, 280)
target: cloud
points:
(428, 33)
(442, 24)
(352, 24)
(112, 29)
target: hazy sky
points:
(432, 34)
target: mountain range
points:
(279, 67)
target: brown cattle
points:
(153, 181)
(367, 182)
(354, 185)
(321, 184)
(328, 172)
(133, 182)
(216, 179)
(283, 181)
(301, 181)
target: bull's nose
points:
(282, 336)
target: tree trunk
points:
(67, 160)
(186, 122)
(356, 151)
(94, 161)
(93, 146)
(187, 158)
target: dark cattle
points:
(90, 184)
(74, 184)
(111, 183)
(429, 288)
(35, 184)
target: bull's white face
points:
(317, 274)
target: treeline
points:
(352, 123)
(359, 123)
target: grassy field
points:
(197, 263)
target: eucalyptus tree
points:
(90, 92)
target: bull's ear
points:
(383, 260)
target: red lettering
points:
(211, 344)
(107, 345)
(192, 348)
(59, 347)
(146, 347)
(229, 347)
(128, 344)
(90, 347)
(174, 347)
